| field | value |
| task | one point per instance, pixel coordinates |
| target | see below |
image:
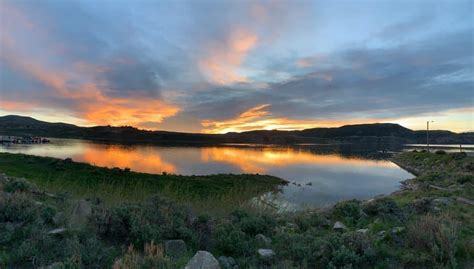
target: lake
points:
(318, 175)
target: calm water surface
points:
(318, 179)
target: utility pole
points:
(428, 135)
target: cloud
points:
(259, 118)
(120, 89)
(222, 64)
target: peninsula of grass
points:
(113, 185)
(428, 223)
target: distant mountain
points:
(380, 133)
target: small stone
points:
(263, 240)
(59, 218)
(80, 213)
(203, 260)
(382, 233)
(398, 230)
(266, 254)
(362, 231)
(464, 201)
(227, 262)
(441, 201)
(57, 231)
(175, 248)
(339, 226)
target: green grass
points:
(403, 230)
(117, 185)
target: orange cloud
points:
(12, 105)
(224, 60)
(77, 82)
(258, 118)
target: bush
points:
(153, 257)
(440, 152)
(18, 208)
(231, 241)
(436, 236)
(156, 219)
(384, 208)
(348, 211)
(17, 185)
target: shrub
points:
(231, 241)
(17, 185)
(348, 211)
(385, 208)
(437, 236)
(18, 208)
(153, 257)
(440, 152)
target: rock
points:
(227, 262)
(439, 188)
(309, 184)
(59, 218)
(382, 234)
(202, 260)
(362, 231)
(339, 226)
(441, 201)
(263, 240)
(175, 248)
(80, 213)
(398, 230)
(422, 205)
(464, 201)
(266, 254)
(57, 231)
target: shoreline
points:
(383, 232)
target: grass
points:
(118, 185)
(407, 229)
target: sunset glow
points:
(218, 67)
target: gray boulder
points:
(57, 231)
(363, 231)
(227, 262)
(339, 226)
(202, 260)
(464, 201)
(266, 254)
(175, 248)
(82, 210)
(263, 240)
(398, 230)
(441, 201)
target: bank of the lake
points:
(429, 223)
(116, 185)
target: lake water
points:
(318, 176)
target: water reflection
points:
(317, 178)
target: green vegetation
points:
(427, 224)
(118, 185)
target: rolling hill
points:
(367, 133)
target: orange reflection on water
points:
(256, 160)
(142, 159)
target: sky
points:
(226, 66)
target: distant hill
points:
(381, 133)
